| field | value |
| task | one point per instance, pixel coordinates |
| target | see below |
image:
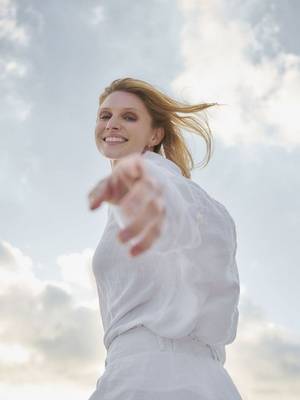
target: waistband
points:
(140, 339)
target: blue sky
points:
(55, 59)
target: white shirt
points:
(187, 283)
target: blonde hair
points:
(165, 113)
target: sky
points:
(55, 59)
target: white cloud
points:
(36, 391)
(76, 268)
(12, 67)
(229, 61)
(264, 360)
(16, 269)
(46, 333)
(17, 106)
(9, 27)
(77, 274)
(97, 15)
(14, 354)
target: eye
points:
(126, 116)
(130, 118)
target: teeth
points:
(114, 139)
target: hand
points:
(139, 197)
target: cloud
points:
(10, 29)
(16, 269)
(76, 268)
(16, 107)
(241, 64)
(97, 15)
(264, 360)
(46, 334)
(11, 68)
(14, 37)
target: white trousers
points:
(141, 365)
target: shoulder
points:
(208, 205)
(196, 197)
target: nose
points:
(112, 123)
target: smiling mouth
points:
(115, 141)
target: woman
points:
(167, 281)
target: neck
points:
(113, 163)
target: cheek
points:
(138, 132)
(98, 130)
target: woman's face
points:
(125, 115)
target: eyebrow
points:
(125, 108)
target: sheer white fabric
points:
(186, 284)
(165, 376)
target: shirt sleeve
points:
(182, 224)
(181, 228)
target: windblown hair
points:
(165, 113)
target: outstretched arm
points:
(180, 227)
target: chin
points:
(116, 155)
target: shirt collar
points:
(161, 160)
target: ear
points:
(158, 136)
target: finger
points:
(119, 189)
(152, 210)
(137, 170)
(140, 194)
(152, 233)
(132, 168)
(111, 189)
(125, 174)
(102, 192)
(125, 179)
